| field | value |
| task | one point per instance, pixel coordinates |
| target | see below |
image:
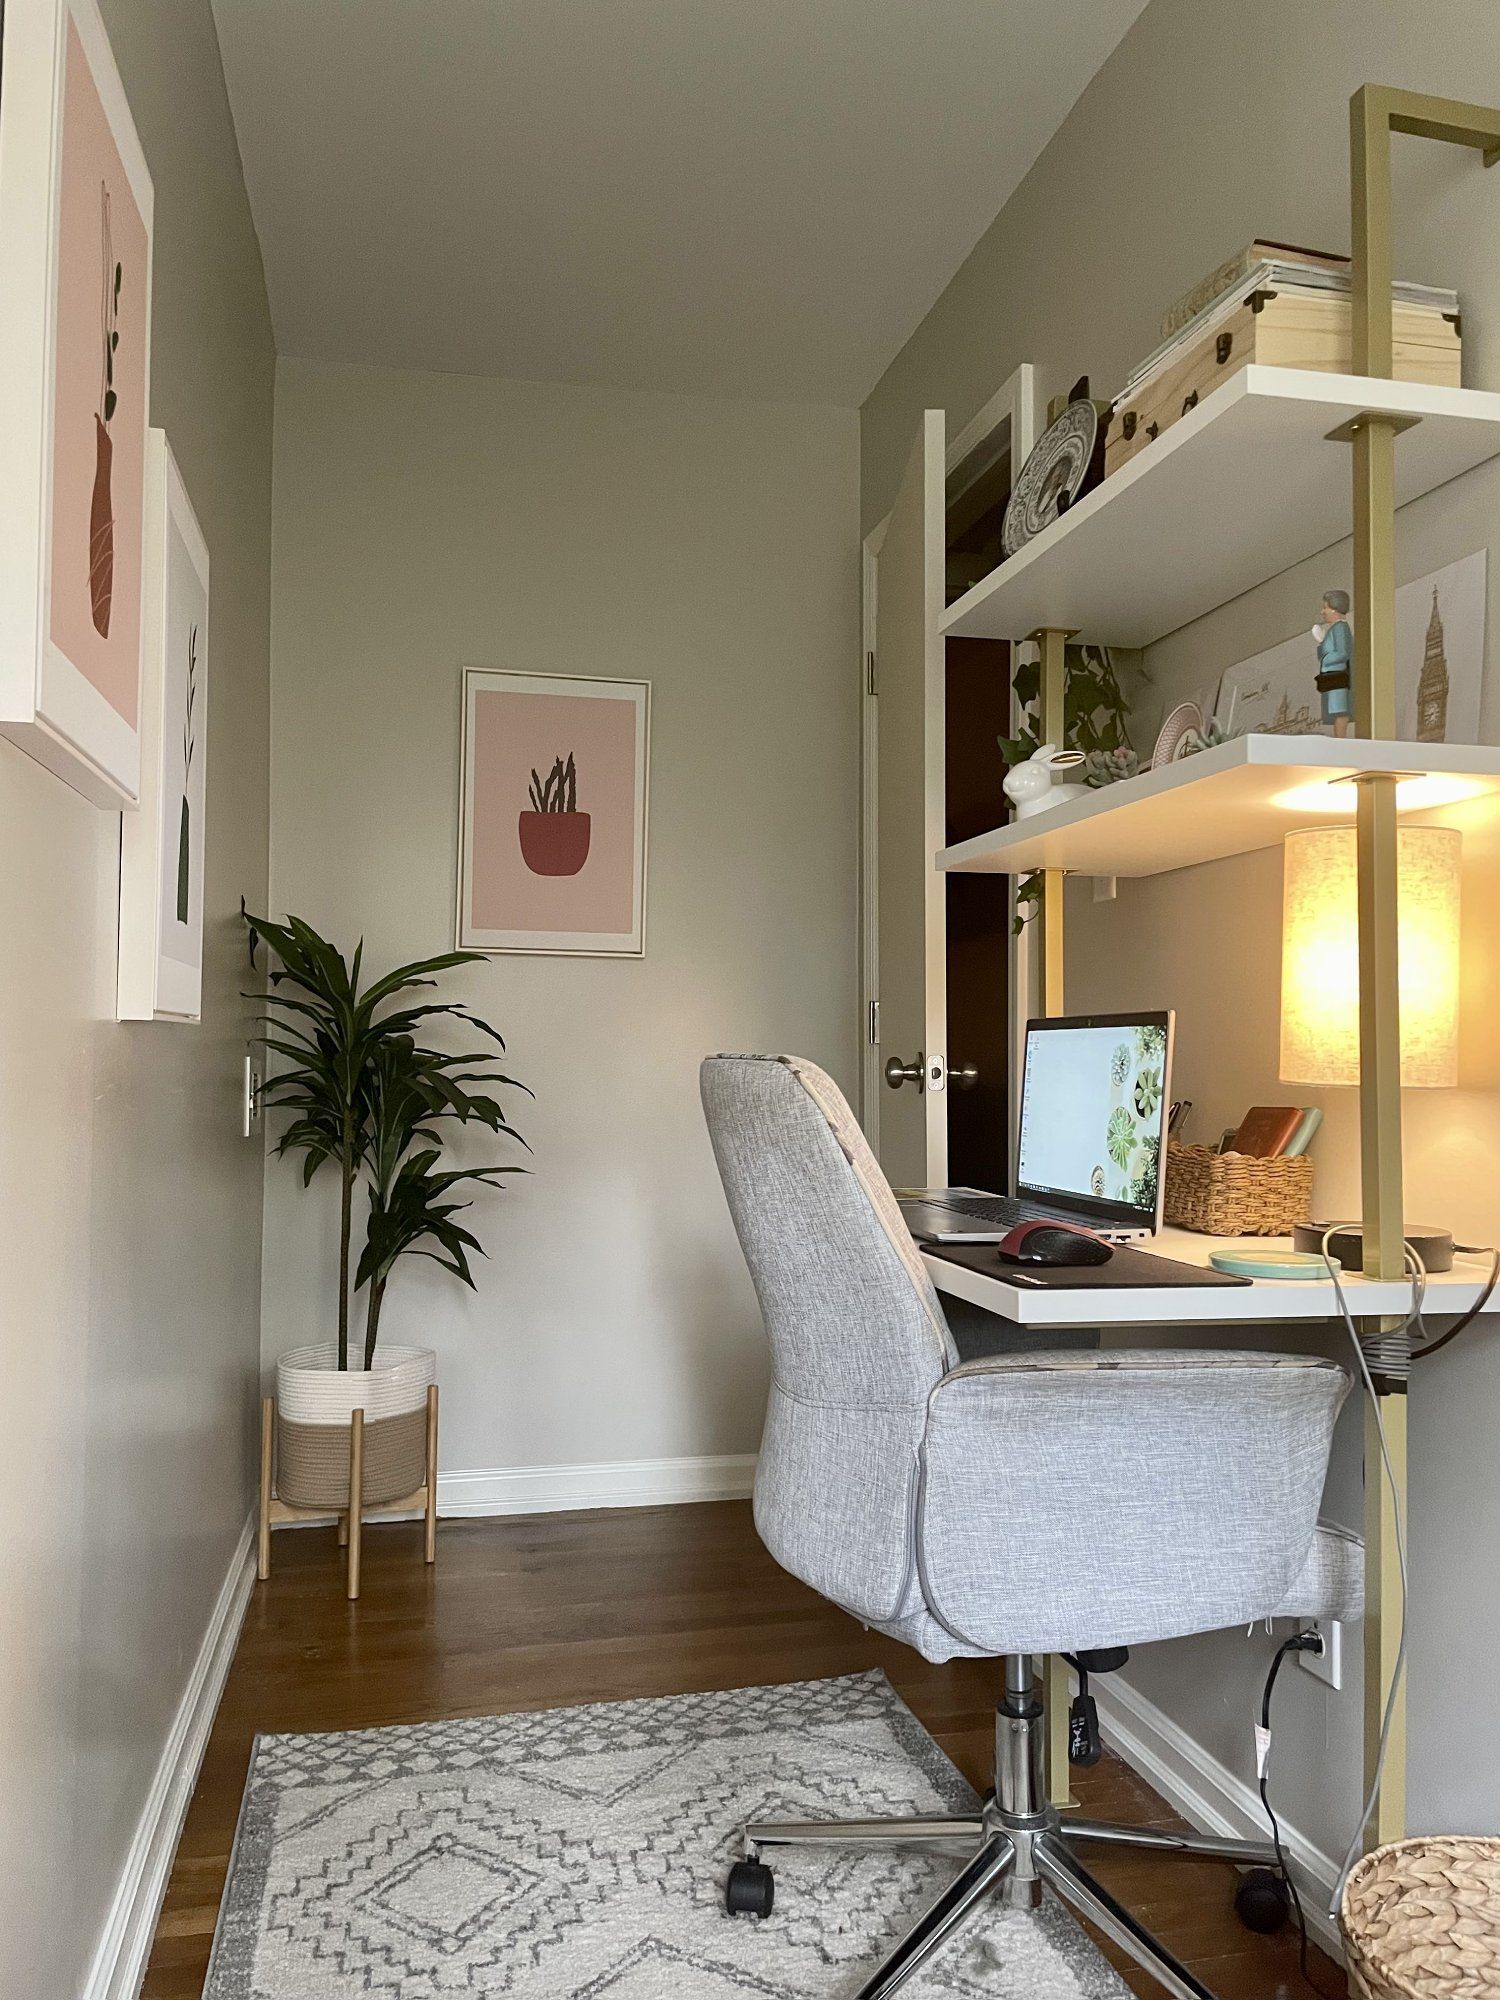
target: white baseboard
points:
(1210, 1796)
(120, 1960)
(552, 1489)
(561, 1489)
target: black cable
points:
(1464, 1319)
(1298, 1643)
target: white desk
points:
(1263, 1299)
(1225, 1309)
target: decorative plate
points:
(1053, 476)
(1186, 719)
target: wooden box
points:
(1280, 329)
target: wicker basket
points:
(1421, 1921)
(1231, 1194)
(315, 1400)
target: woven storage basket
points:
(315, 1402)
(1231, 1194)
(1421, 1921)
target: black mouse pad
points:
(1128, 1269)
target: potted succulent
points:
(555, 834)
(368, 1095)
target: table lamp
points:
(1320, 980)
(1320, 955)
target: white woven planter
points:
(315, 1404)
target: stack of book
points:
(1232, 273)
(1280, 307)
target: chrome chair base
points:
(1018, 1842)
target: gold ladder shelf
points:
(1376, 113)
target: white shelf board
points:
(1230, 1307)
(1206, 807)
(1234, 492)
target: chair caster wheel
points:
(1262, 1902)
(750, 1890)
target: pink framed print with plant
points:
(75, 247)
(552, 840)
(161, 846)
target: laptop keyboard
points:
(998, 1210)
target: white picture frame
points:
(76, 216)
(559, 882)
(162, 845)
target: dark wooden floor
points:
(563, 1608)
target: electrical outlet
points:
(1327, 1666)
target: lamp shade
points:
(1320, 955)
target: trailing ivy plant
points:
(1096, 720)
(1096, 716)
(355, 1061)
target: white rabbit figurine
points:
(1030, 787)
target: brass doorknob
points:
(898, 1072)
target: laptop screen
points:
(1094, 1104)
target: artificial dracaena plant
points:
(412, 1089)
(333, 1035)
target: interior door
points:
(910, 944)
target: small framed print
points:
(552, 834)
(75, 247)
(161, 846)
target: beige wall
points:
(1213, 123)
(424, 522)
(131, 1205)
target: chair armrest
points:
(1115, 1497)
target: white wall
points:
(424, 522)
(131, 1206)
(1213, 123)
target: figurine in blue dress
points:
(1335, 644)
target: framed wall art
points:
(161, 846)
(1440, 665)
(552, 840)
(75, 248)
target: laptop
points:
(1096, 1091)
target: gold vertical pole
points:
(1375, 112)
(1056, 1693)
(1053, 641)
(1383, 1613)
(1374, 678)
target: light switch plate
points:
(250, 1103)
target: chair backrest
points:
(858, 1339)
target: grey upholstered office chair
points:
(1009, 1507)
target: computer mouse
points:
(1054, 1244)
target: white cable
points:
(1418, 1274)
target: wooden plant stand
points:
(351, 1521)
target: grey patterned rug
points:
(580, 1854)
